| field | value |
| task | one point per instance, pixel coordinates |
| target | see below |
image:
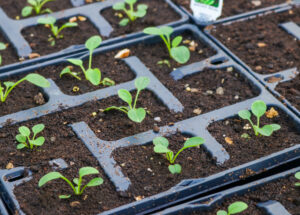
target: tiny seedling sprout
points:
(161, 146)
(259, 108)
(37, 6)
(24, 137)
(92, 75)
(234, 208)
(35, 79)
(2, 47)
(180, 54)
(134, 114)
(297, 176)
(50, 21)
(131, 13)
(78, 189)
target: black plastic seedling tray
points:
(234, 17)
(285, 75)
(203, 204)
(195, 126)
(11, 29)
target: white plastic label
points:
(206, 11)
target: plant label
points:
(206, 11)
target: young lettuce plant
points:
(92, 75)
(259, 108)
(78, 188)
(131, 13)
(37, 6)
(35, 79)
(133, 113)
(180, 54)
(161, 146)
(50, 21)
(234, 208)
(2, 47)
(297, 176)
(24, 137)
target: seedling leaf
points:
(119, 6)
(21, 138)
(49, 177)
(37, 80)
(21, 146)
(76, 62)
(221, 212)
(24, 131)
(94, 76)
(141, 83)
(176, 41)
(124, 22)
(181, 54)
(125, 96)
(64, 196)
(237, 207)
(95, 182)
(175, 169)
(161, 141)
(93, 42)
(137, 115)
(193, 142)
(245, 114)
(39, 141)
(88, 171)
(258, 108)
(38, 128)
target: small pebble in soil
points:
(52, 139)
(258, 68)
(188, 89)
(157, 119)
(236, 97)
(155, 128)
(256, 3)
(220, 91)
(229, 69)
(39, 99)
(272, 113)
(75, 204)
(197, 111)
(9, 165)
(247, 127)
(229, 140)
(209, 92)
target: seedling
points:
(2, 47)
(297, 176)
(133, 113)
(35, 79)
(259, 108)
(234, 208)
(78, 182)
(50, 21)
(131, 13)
(180, 54)
(24, 137)
(161, 146)
(37, 6)
(92, 75)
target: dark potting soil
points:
(243, 150)
(149, 171)
(158, 13)
(8, 55)
(22, 97)
(13, 8)
(231, 7)
(291, 91)
(285, 193)
(37, 36)
(261, 43)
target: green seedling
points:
(297, 176)
(234, 208)
(133, 113)
(259, 108)
(166, 62)
(37, 6)
(180, 54)
(78, 188)
(92, 75)
(161, 146)
(24, 137)
(35, 79)
(131, 13)
(50, 21)
(2, 47)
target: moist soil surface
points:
(37, 36)
(158, 13)
(285, 193)
(291, 91)
(13, 8)
(231, 7)
(261, 43)
(8, 55)
(149, 171)
(218, 95)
